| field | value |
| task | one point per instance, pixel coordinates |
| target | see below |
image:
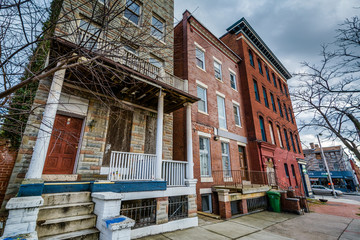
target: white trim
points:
(228, 179)
(232, 71)
(224, 129)
(166, 227)
(202, 112)
(222, 139)
(203, 134)
(170, 191)
(205, 191)
(236, 103)
(217, 60)
(206, 179)
(220, 94)
(200, 47)
(241, 144)
(201, 84)
(201, 68)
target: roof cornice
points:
(242, 26)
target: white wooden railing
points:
(174, 172)
(125, 166)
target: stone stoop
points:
(67, 216)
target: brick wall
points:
(7, 161)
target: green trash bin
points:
(274, 200)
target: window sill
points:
(158, 40)
(206, 179)
(205, 113)
(224, 129)
(220, 80)
(200, 68)
(234, 89)
(239, 126)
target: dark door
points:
(64, 142)
(119, 132)
(243, 163)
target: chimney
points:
(312, 145)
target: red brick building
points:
(273, 138)
(219, 132)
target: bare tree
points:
(330, 92)
(35, 36)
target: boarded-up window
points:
(119, 132)
(150, 135)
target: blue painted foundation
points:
(119, 187)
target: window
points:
(297, 143)
(226, 159)
(286, 113)
(280, 85)
(131, 49)
(291, 115)
(285, 90)
(273, 102)
(280, 109)
(257, 96)
(237, 115)
(205, 161)
(265, 98)
(156, 61)
(260, 68)
(206, 203)
(321, 166)
(262, 128)
(286, 170)
(251, 58)
(292, 142)
(336, 166)
(202, 103)
(157, 27)
(89, 35)
(267, 73)
(132, 11)
(279, 135)
(286, 140)
(274, 80)
(233, 81)
(217, 69)
(293, 170)
(221, 112)
(271, 129)
(200, 58)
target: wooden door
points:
(243, 163)
(64, 142)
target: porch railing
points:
(117, 53)
(125, 166)
(236, 178)
(174, 172)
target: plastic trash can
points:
(274, 200)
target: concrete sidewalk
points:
(270, 225)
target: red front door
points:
(60, 158)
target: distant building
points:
(338, 163)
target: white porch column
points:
(159, 135)
(43, 139)
(189, 144)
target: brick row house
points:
(245, 137)
(104, 150)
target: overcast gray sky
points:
(292, 29)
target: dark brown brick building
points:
(273, 138)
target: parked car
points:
(321, 190)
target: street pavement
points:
(269, 225)
(348, 199)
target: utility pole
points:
(327, 168)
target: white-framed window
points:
(233, 81)
(157, 27)
(225, 159)
(131, 49)
(205, 160)
(202, 103)
(156, 61)
(132, 11)
(217, 69)
(89, 34)
(237, 115)
(200, 58)
(279, 136)
(221, 112)
(271, 133)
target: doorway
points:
(63, 147)
(243, 163)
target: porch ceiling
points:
(112, 79)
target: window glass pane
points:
(286, 140)
(286, 170)
(262, 128)
(200, 58)
(279, 135)
(217, 69)
(260, 68)
(226, 159)
(286, 113)
(233, 81)
(280, 109)
(257, 96)
(274, 79)
(157, 62)
(237, 115)
(271, 133)
(133, 6)
(265, 98)
(202, 104)
(251, 58)
(157, 28)
(132, 11)
(221, 112)
(273, 102)
(205, 163)
(292, 142)
(267, 74)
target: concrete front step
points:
(65, 225)
(65, 210)
(53, 199)
(87, 234)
